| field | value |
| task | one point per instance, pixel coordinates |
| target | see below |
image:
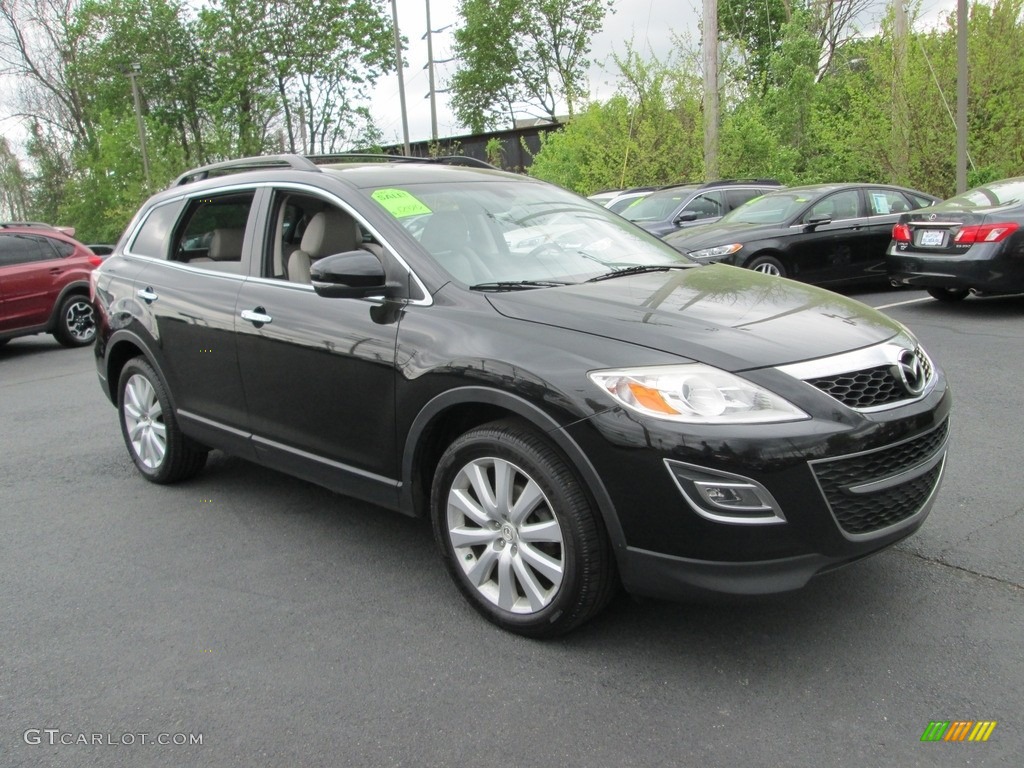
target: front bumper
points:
(846, 485)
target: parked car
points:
(570, 417)
(825, 234)
(44, 284)
(605, 195)
(627, 198)
(971, 242)
(680, 206)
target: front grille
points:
(870, 387)
(861, 513)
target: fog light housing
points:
(724, 497)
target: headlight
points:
(715, 253)
(694, 393)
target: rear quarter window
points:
(153, 237)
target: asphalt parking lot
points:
(248, 619)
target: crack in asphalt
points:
(951, 566)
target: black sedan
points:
(825, 234)
(971, 242)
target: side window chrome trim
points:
(186, 267)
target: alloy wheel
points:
(505, 535)
(143, 418)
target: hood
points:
(731, 318)
(709, 235)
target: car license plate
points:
(932, 238)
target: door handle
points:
(257, 316)
(147, 295)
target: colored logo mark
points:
(959, 730)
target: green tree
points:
(528, 55)
(648, 133)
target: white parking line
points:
(902, 303)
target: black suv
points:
(586, 410)
(679, 206)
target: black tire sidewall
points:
(948, 295)
(568, 503)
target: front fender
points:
(435, 409)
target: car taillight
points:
(95, 260)
(901, 233)
(985, 233)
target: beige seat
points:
(226, 245)
(328, 232)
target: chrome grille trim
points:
(866, 380)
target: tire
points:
(767, 265)
(948, 295)
(537, 564)
(76, 322)
(162, 453)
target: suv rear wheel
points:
(518, 533)
(157, 446)
(76, 322)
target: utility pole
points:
(401, 77)
(430, 76)
(709, 55)
(961, 96)
(134, 72)
(901, 111)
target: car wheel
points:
(157, 446)
(948, 295)
(76, 322)
(518, 533)
(767, 265)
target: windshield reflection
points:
(491, 232)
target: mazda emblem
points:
(910, 372)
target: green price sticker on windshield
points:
(399, 203)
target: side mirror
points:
(685, 216)
(348, 275)
(815, 221)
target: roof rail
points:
(242, 164)
(721, 182)
(465, 160)
(311, 163)
(27, 224)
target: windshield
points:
(658, 206)
(515, 231)
(990, 195)
(773, 208)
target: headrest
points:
(330, 231)
(225, 245)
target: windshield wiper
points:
(640, 269)
(517, 285)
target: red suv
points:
(44, 284)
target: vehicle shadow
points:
(400, 571)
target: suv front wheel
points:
(157, 446)
(518, 533)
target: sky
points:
(648, 23)
(651, 25)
